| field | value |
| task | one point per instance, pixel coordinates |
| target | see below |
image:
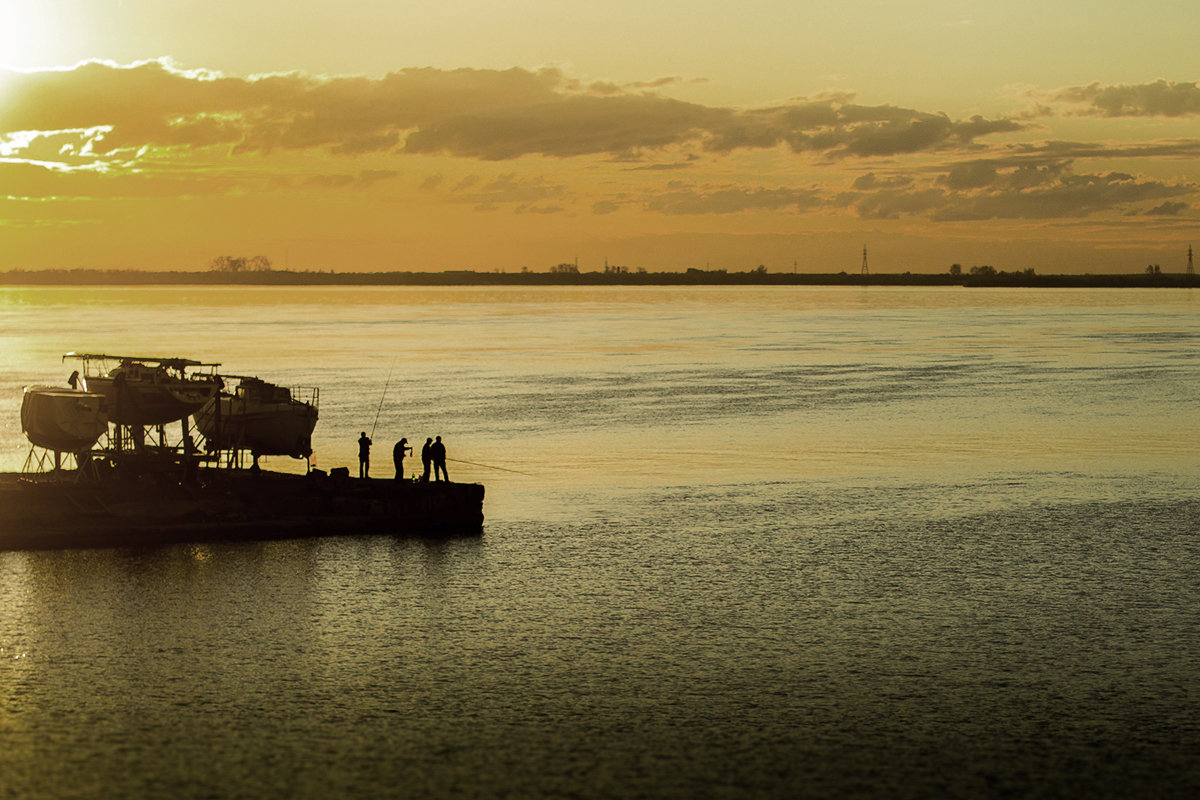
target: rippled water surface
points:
(740, 543)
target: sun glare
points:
(27, 35)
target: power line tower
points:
(865, 271)
(1190, 270)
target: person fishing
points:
(437, 451)
(364, 455)
(426, 459)
(398, 452)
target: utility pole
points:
(1191, 270)
(865, 271)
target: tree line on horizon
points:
(974, 277)
(258, 270)
(240, 264)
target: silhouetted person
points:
(398, 453)
(437, 451)
(364, 455)
(426, 459)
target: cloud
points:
(151, 129)
(894, 203)
(1067, 196)
(361, 181)
(971, 175)
(153, 103)
(1000, 189)
(1057, 150)
(66, 149)
(524, 194)
(367, 144)
(681, 199)
(1168, 209)
(530, 208)
(466, 183)
(24, 179)
(872, 181)
(664, 167)
(42, 181)
(840, 129)
(658, 83)
(483, 114)
(609, 88)
(567, 126)
(1158, 99)
(920, 132)
(999, 173)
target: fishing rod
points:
(489, 466)
(381, 398)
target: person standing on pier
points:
(364, 455)
(438, 451)
(398, 453)
(426, 459)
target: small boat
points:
(63, 420)
(260, 417)
(147, 391)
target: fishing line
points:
(489, 466)
(381, 398)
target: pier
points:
(61, 510)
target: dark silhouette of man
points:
(398, 453)
(364, 455)
(437, 451)
(426, 459)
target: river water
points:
(740, 542)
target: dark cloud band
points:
(483, 114)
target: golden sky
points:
(379, 135)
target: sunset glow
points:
(378, 136)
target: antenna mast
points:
(1190, 269)
(864, 266)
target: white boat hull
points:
(264, 428)
(65, 420)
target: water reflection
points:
(901, 543)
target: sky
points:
(496, 135)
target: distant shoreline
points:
(693, 277)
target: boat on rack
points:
(62, 419)
(266, 419)
(143, 390)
